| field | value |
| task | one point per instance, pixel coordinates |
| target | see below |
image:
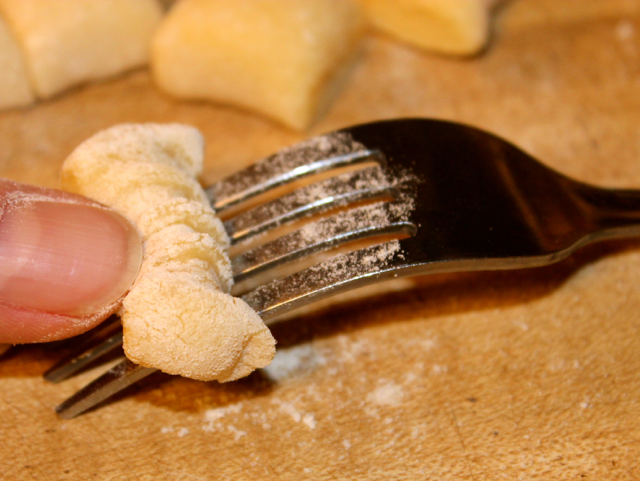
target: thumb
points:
(65, 262)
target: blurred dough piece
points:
(458, 27)
(282, 58)
(15, 90)
(178, 316)
(66, 42)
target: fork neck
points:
(614, 212)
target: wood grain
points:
(485, 376)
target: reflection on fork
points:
(455, 199)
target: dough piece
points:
(66, 42)
(182, 211)
(134, 168)
(178, 316)
(184, 326)
(458, 27)
(187, 244)
(15, 90)
(281, 58)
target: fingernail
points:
(65, 258)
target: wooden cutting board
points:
(486, 376)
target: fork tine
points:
(338, 274)
(365, 184)
(114, 380)
(83, 357)
(355, 224)
(314, 155)
(87, 351)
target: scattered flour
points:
(351, 348)
(211, 416)
(439, 369)
(310, 420)
(410, 377)
(182, 432)
(289, 409)
(214, 418)
(388, 394)
(428, 344)
(237, 434)
(294, 362)
(625, 30)
(306, 418)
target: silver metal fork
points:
(464, 199)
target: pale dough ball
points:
(134, 187)
(176, 145)
(15, 90)
(281, 58)
(178, 316)
(458, 27)
(181, 325)
(137, 167)
(180, 243)
(66, 42)
(183, 211)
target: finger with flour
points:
(66, 263)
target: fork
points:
(464, 200)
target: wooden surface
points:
(487, 376)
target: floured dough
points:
(66, 42)
(457, 27)
(15, 90)
(178, 316)
(282, 58)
